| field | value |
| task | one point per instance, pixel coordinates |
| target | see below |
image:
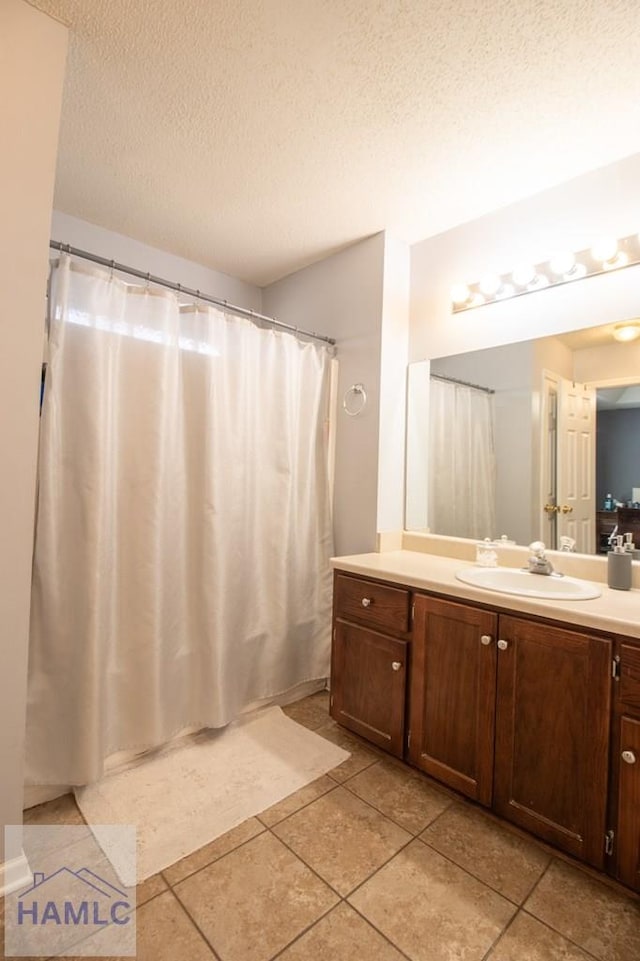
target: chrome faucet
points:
(538, 562)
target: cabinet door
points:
(452, 705)
(368, 684)
(552, 734)
(628, 841)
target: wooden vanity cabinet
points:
(369, 660)
(625, 768)
(553, 702)
(514, 714)
(452, 698)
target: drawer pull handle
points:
(486, 639)
(503, 645)
(396, 665)
(366, 602)
(629, 757)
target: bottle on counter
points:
(619, 566)
(609, 502)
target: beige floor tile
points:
(529, 940)
(341, 936)
(506, 862)
(289, 805)
(342, 838)
(311, 712)
(361, 755)
(164, 933)
(256, 900)
(62, 810)
(150, 888)
(602, 921)
(212, 851)
(432, 909)
(402, 794)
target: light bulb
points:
(626, 332)
(490, 284)
(460, 294)
(563, 263)
(620, 260)
(605, 249)
(523, 275)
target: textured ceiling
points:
(256, 136)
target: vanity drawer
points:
(377, 604)
(629, 687)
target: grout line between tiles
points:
(389, 817)
(497, 941)
(487, 884)
(301, 808)
(550, 927)
(213, 861)
(190, 917)
(308, 928)
(306, 864)
(377, 929)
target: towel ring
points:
(356, 389)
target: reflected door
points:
(576, 465)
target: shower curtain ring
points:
(355, 389)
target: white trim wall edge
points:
(15, 874)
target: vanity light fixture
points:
(627, 332)
(605, 255)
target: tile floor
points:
(375, 862)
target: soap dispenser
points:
(630, 547)
(619, 566)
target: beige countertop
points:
(617, 612)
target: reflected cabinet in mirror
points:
(538, 440)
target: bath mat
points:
(201, 786)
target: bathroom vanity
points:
(529, 707)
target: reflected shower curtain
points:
(462, 468)
(183, 532)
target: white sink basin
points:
(509, 580)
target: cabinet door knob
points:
(629, 757)
(366, 602)
(503, 645)
(396, 665)
(486, 639)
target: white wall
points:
(342, 297)
(31, 76)
(394, 353)
(569, 216)
(132, 253)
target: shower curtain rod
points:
(189, 291)
(463, 383)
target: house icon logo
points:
(72, 899)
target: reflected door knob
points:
(629, 757)
(485, 639)
(366, 601)
(396, 665)
(503, 645)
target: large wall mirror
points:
(528, 440)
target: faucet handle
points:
(537, 548)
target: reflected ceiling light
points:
(627, 332)
(605, 255)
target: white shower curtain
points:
(461, 461)
(183, 530)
